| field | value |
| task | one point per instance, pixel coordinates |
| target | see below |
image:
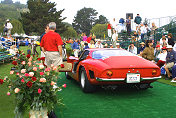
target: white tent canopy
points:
(16, 35)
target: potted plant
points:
(34, 85)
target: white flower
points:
(31, 74)
(41, 66)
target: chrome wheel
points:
(82, 79)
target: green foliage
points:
(10, 11)
(99, 30)
(84, 20)
(102, 20)
(17, 27)
(7, 2)
(70, 33)
(40, 13)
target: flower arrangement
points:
(33, 84)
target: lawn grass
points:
(162, 80)
(156, 102)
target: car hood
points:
(128, 62)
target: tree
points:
(99, 30)
(102, 20)
(7, 2)
(41, 12)
(84, 20)
(17, 27)
(69, 33)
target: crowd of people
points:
(142, 30)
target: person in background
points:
(98, 44)
(148, 52)
(163, 39)
(114, 37)
(75, 48)
(114, 24)
(132, 48)
(111, 46)
(141, 49)
(68, 48)
(137, 20)
(174, 73)
(8, 26)
(89, 38)
(46, 31)
(162, 57)
(135, 36)
(12, 50)
(118, 45)
(91, 45)
(51, 44)
(170, 60)
(157, 51)
(128, 25)
(170, 40)
(35, 48)
(153, 29)
(84, 37)
(106, 45)
(86, 46)
(109, 29)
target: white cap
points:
(7, 20)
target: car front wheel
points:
(85, 84)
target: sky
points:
(117, 8)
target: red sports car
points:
(111, 67)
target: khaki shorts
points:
(170, 65)
(53, 57)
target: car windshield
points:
(103, 54)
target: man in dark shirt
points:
(46, 31)
(170, 60)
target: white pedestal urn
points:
(38, 114)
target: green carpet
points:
(158, 102)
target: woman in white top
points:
(91, 44)
(162, 57)
(114, 38)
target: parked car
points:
(111, 67)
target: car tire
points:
(84, 82)
(67, 76)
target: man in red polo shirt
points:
(51, 45)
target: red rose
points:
(1, 81)
(14, 63)
(28, 56)
(42, 58)
(38, 59)
(29, 84)
(62, 65)
(34, 78)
